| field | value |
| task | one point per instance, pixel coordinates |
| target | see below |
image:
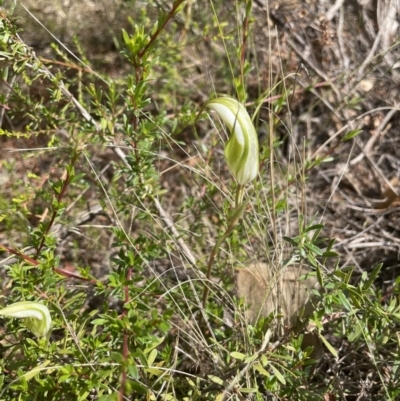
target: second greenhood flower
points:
(241, 150)
(36, 316)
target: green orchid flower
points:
(241, 150)
(36, 316)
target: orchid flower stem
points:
(239, 195)
(213, 255)
(237, 213)
(242, 158)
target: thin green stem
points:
(239, 195)
(237, 213)
(210, 263)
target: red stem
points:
(125, 346)
(138, 77)
(54, 214)
(161, 27)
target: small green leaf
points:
(261, 370)
(64, 378)
(133, 371)
(277, 356)
(125, 36)
(329, 346)
(314, 227)
(152, 357)
(154, 371)
(109, 397)
(140, 388)
(372, 276)
(117, 357)
(98, 322)
(290, 241)
(238, 355)
(330, 254)
(278, 374)
(35, 371)
(351, 134)
(248, 390)
(344, 301)
(155, 344)
(314, 249)
(216, 379)
(319, 276)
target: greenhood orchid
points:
(241, 150)
(36, 316)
